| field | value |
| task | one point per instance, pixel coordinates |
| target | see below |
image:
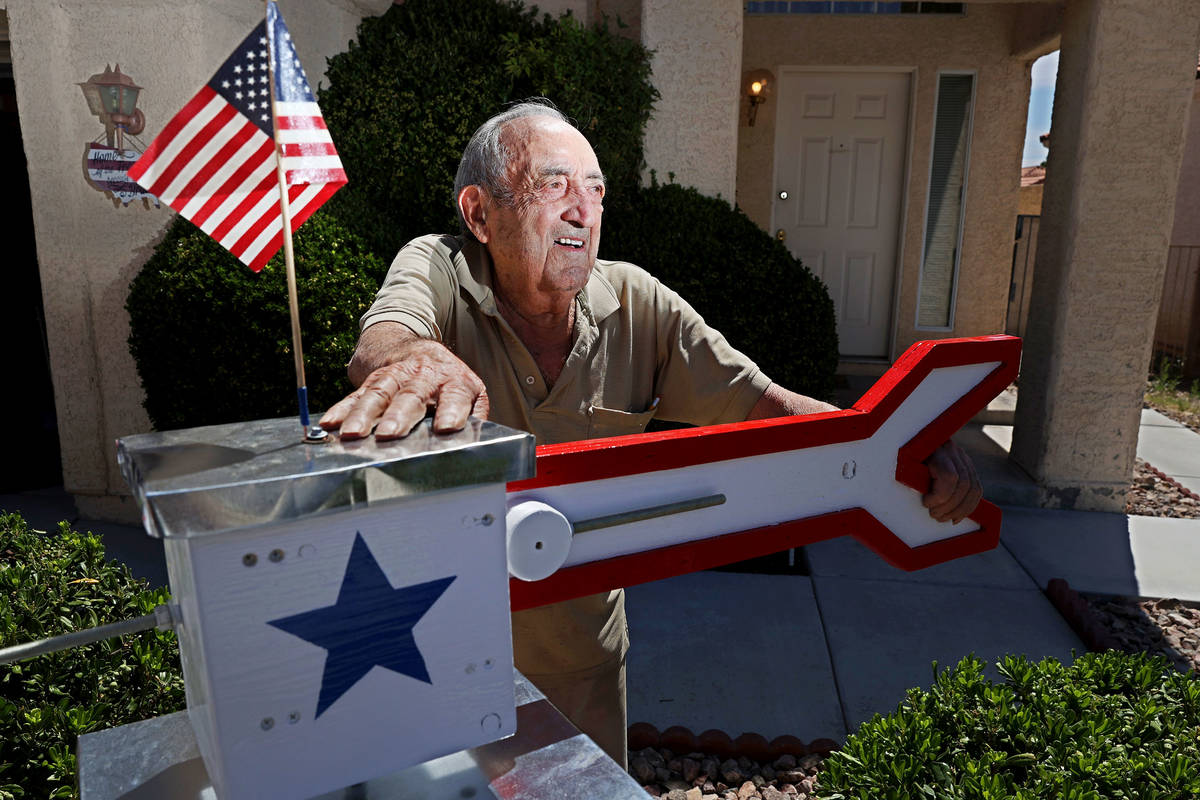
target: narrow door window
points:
(947, 190)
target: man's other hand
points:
(955, 490)
(400, 376)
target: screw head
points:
(250, 559)
(293, 717)
(267, 723)
(488, 519)
(276, 555)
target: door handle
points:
(781, 235)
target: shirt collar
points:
(475, 275)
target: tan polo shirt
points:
(640, 351)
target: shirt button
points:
(529, 379)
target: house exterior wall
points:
(697, 69)
(1186, 232)
(88, 250)
(980, 40)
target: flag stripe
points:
(243, 211)
(315, 176)
(142, 166)
(299, 108)
(297, 149)
(248, 176)
(258, 214)
(301, 135)
(315, 163)
(201, 160)
(166, 164)
(302, 205)
(299, 123)
(270, 238)
(239, 155)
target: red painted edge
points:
(667, 562)
(598, 459)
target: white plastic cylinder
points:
(538, 538)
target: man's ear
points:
(473, 203)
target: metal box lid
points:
(216, 478)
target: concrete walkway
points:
(814, 654)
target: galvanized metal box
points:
(343, 608)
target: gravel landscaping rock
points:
(1165, 627)
(1153, 494)
(786, 778)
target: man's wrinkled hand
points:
(955, 490)
(395, 397)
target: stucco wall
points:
(88, 250)
(1030, 201)
(1187, 201)
(697, 69)
(979, 40)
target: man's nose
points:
(582, 208)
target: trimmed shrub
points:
(405, 97)
(1110, 725)
(212, 340)
(742, 281)
(52, 584)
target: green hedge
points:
(54, 583)
(1110, 725)
(405, 97)
(742, 281)
(212, 340)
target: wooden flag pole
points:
(312, 433)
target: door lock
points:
(783, 195)
(781, 235)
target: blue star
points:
(371, 624)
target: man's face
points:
(545, 240)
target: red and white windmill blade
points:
(622, 511)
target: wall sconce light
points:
(112, 96)
(756, 86)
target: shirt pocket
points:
(610, 422)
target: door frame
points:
(905, 174)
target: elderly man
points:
(516, 320)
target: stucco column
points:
(1125, 80)
(697, 70)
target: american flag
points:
(214, 162)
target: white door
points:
(839, 168)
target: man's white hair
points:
(485, 159)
